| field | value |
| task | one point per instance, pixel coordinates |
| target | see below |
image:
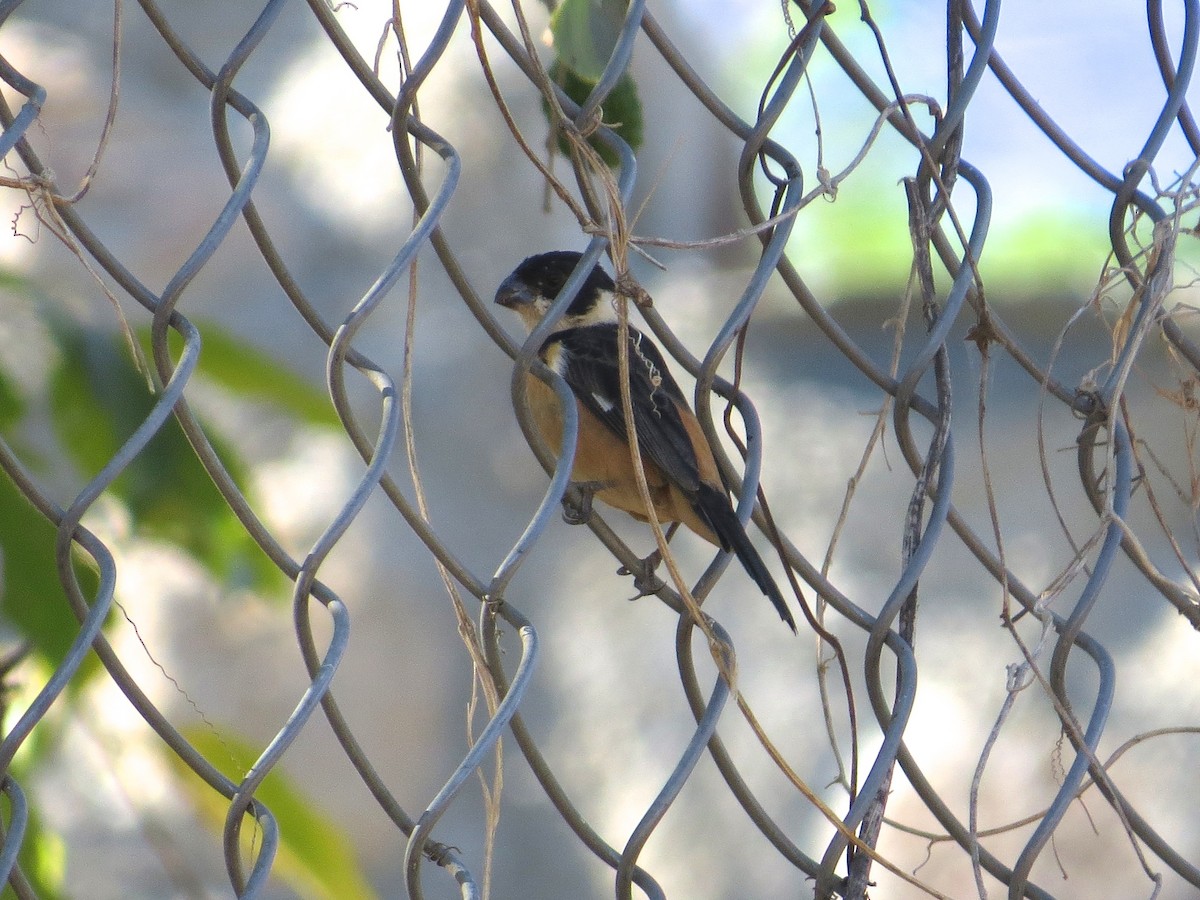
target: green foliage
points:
(43, 862)
(43, 859)
(97, 400)
(622, 111)
(316, 857)
(12, 407)
(1046, 250)
(252, 375)
(43, 854)
(33, 599)
(860, 242)
(585, 33)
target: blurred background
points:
(204, 622)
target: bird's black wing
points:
(589, 363)
(587, 359)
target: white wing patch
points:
(603, 402)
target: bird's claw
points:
(644, 579)
(577, 504)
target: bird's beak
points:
(514, 293)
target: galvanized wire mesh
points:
(1136, 546)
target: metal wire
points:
(843, 856)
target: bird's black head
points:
(535, 284)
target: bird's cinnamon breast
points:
(603, 458)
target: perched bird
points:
(685, 484)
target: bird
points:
(681, 472)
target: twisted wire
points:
(770, 179)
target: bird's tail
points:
(714, 507)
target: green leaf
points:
(622, 111)
(585, 33)
(88, 436)
(43, 854)
(97, 400)
(12, 407)
(248, 372)
(33, 601)
(316, 857)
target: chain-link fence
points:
(1051, 528)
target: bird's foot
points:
(577, 503)
(644, 577)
